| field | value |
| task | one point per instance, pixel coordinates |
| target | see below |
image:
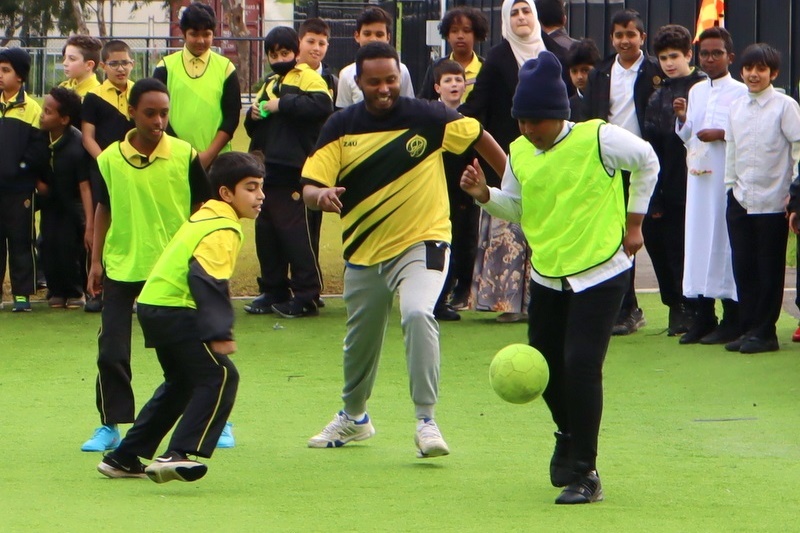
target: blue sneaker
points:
(22, 304)
(105, 438)
(226, 440)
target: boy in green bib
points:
(151, 184)
(563, 184)
(186, 315)
(204, 86)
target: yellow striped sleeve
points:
(460, 135)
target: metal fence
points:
(772, 21)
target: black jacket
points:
(287, 137)
(598, 89)
(659, 131)
(17, 134)
(491, 98)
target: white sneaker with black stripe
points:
(429, 440)
(175, 466)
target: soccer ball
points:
(519, 373)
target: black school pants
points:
(572, 330)
(287, 240)
(199, 388)
(629, 302)
(63, 253)
(17, 240)
(115, 400)
(758, 250)
(464, 219)
(664, 240)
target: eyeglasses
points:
(119, 64)
(716, 54)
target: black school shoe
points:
(175, 466)
(586, 489)
(295, 309)
(562, 472)
(115, 466)
(700, 329)
(446, 313)
(759, 345)
(680, 320)
(723, 334)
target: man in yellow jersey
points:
(378, 163)
(203, 87)
(563, 184)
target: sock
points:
(355, 418)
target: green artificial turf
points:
(693, 439)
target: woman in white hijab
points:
(502, 264)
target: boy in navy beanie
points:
(563, 184)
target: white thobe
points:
(707, 268)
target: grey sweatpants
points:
(418, 275)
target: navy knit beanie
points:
(19, 59)
(541, 93)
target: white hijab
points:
(531, 46)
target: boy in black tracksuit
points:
(603, 100)
(19, 119)
(283, 124)
(67, 214)
(664, 225)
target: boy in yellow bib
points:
(186, 315)
(563, 184)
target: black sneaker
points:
(562, 472)
(320, 302)
(262, 305)
(459, 301)
(94, 304)
(175, 466)
(630, 324)
(446, 313)
(295, 309)
(586, 489)
(116, 467)
(680, 320)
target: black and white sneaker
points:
(175, 466)
(115, 467)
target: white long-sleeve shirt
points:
(762, 151)
(621, 150)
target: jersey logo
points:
(349, 144)
(416, 146)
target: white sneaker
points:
(174, 466)
(342, 430)
(429, 440)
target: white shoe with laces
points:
(341, 430)
(429, 440)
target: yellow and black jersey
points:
(391, 168)
(82, 88)
(106, 108)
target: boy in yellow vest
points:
(563, 184)
(186, 315)
(203, 86)
(151, 184)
